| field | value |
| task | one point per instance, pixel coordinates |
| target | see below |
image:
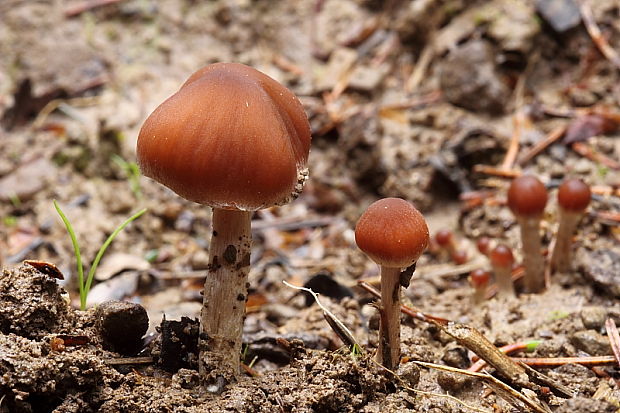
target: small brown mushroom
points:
(484, 245)
(445, 239)
(502, 261)
(479, 279)
(238, 141)
(527, 198)
(573, 199)
(393, 233)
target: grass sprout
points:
(132, 171)
(84, 285)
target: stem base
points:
(225, 294)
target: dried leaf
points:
(589, 125)
(46, 268)
(120, 262)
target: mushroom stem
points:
(533, 260)
(503, 278)
(479, 279)
(388, 353)
(479, 295)
(225, 294)
(561, 256)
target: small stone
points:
(122, 324)
(561, 15)
(452, 382)
(591, 342)
(468, 79)
(409, 373)
(593, 317)
(602, 266)
(455, 356)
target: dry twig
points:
(560, 361)
(587, 151)
(85, 6)
(596, 35)
(508, 393)
(614, 338)
(493, 171)
(551, 138)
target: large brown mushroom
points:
(393, 233)
(238, 141)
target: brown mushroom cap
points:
(443, 237)
(479, 278)
(483, 244)
(527, 196)
(501, 256)
(392, 232)
(574, 195)
(231, 137)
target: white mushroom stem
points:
(533, 260)
(388, 353)
(225, 294)
(503, 279)
(561, 256)
(480, 294)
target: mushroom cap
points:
(501, 256)
(392, 232)
(479, 277)
(231, 137)
(527, 196)
(574, 195)
(483, 244)
(459, 257)
(443, 237)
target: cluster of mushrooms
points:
(236, 140)
(527, 199)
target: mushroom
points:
(573, 199)
(445, 239)
(393, 233)
(234, 139)
(501, 261)
(484, 245)
(479, 279)
(527, 198)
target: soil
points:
(405, 98)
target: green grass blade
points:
(78, 255)
(106, 244)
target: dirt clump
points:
(32, 304)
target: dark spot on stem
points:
(244, 262)
(230, 254)
(214, 265)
